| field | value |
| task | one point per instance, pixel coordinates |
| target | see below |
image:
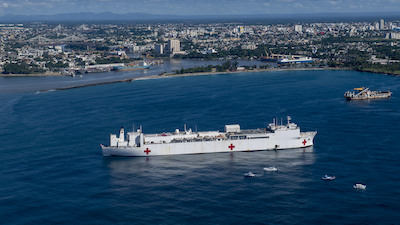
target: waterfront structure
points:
(270, 57)
(111, 65)
(233, 139)
(130, 67)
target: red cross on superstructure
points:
(304, 142)
(231, 147)
(147, 151)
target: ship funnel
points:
(288, 119)
(122, 134)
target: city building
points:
(159, 48)
(298, 28)
(376, 26)
(173, 46)
(249, 46)
(381, 24)
(393, 35)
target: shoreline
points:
(32, 75)
(87, 85)
(55, 74)
(241, 71)
(170, 75)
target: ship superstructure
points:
(282, 59)
(233, 139)
(366, 93)
(295, 59)
(129, 67)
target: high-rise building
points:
(381, 24)
(173, 46)
(241, 30)
(238, 30)
(376, 26)
(159, 48)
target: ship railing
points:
(307, 133)
(198, 139)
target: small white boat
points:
(327, 177)
(270, 169)
(249, 174)
(360, 186)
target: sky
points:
(196, 7)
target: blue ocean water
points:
(52, 170)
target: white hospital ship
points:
(233, 139)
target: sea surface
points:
(52, 170)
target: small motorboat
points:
(270, 169)
(360, 186)
(249, 174)
(327, 177)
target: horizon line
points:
(193, 15)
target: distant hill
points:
(145, 17)
(74, 17)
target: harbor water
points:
(53, 172)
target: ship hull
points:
(384, 95)
(295, 61)
(273, 142)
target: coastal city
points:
(40, 48)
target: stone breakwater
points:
(88, 85)
(178, 75)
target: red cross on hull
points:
(231, 147)
(304, 142)
(147, 151)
